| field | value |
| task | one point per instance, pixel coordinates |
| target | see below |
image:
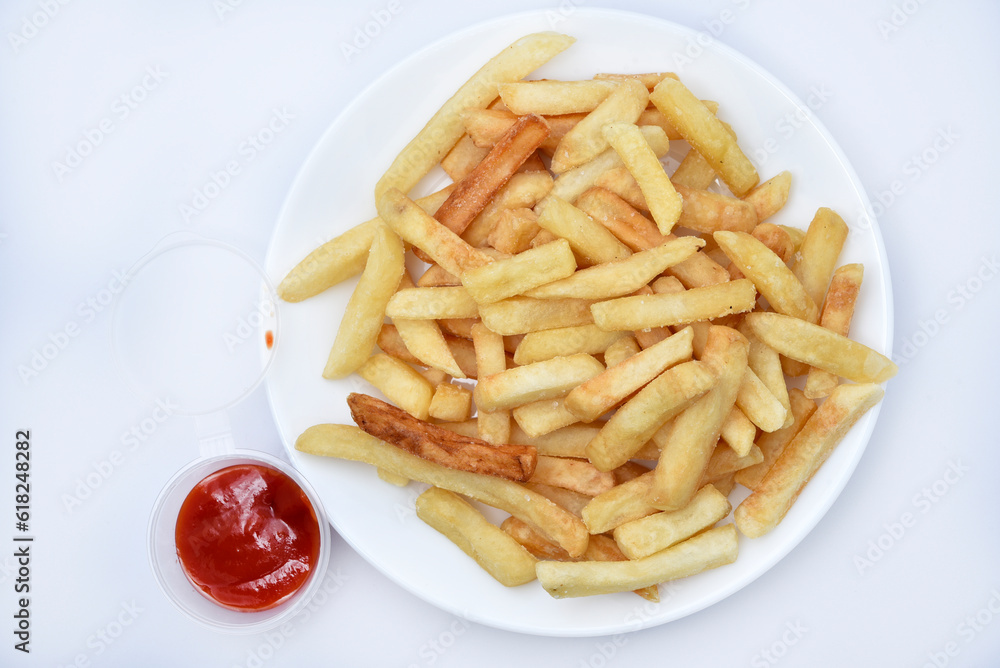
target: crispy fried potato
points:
(451, 403)
(769, 197)
(400, 383)
(644, 311)
(818, 253)
(662, 200)
(588, 238)
(585, 141)
(548, 379)
(432, 304)
(838, 310)
(491, 426)
(645, 536)
(562, 341)
(514, 230)
(463, 158)
(772, 444)
(522, 315)
(758, 404)
(554, 97)
(620, 504)
(707, 212)
(523, 190)
(542, 417)
(521, 273)
(574, 474)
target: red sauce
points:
(269, 338)
(247, 537)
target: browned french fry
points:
(769, 197)
(644, 311)
(838, 310)
(523, 190)
(575, 474)
(548, 379)
(768, 504)
(533, 541)
(514, 230)
(818, 253)
(436, 277)
(776, 239)
(772, 444)
(486, 126)
(705, 211)
(619, 181)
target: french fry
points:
(838, 310)
(621, 277)
(776, 239)
(710, 549)
(445, 127)
(463, 158)
(487, 126)
(542, 417)
(738, 431)
(694, 433)
(588, 238)
(772, 444)
(436, 277)
(621, 350)
(365, 310)
(620, 504)
(602, 548)
(765, 362)
(523, 190)
(768, 504)
(585, 141)
(574, 474)
(693, 172)
(514, 230)
(562, 341)
(432, 303)
(619, 181)
(595, 397)
(818, 253)
(392, 344)
(706, 134)
(758, 404)
(664, 203)
(412, 224)
(554, 97)
(644, 311)
(819, 347)
(647, 79)
(707, 212)
(769, 197)
(451, 403)
(400, 383)
(423, 338)
(521, 273)
(439, 445)
(725, 461)
(548, 379)
(534, 542)
(499, 554)
(645, 536)
(521, 315)
(565, 498)
(348, 442)
(392, 478)
(769, 274)
(491, 426)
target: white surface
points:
(364, 510)
(912, 109)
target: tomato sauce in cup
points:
(247, 537)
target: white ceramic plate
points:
(333, 192)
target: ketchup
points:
(247, 537)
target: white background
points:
(899, 77)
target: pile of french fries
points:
(632, 343)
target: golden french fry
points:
(436, 277)
(391, 343)
(463, 158)
(693, 172)
(644, 311)
(499, 554)
(768, 504)
(548, 379)
(818, 253)
(445, 127)
(705, 211)
(769, 274)
(694, 433)
(758, 404)
(491, 426)
(365, 310)
(577, 475)
(523, 190)
(432, 303)
(348, 442)
(597, 396)
(554, 97)
(639, 417)
(838, 310)
(664, 203)
(519, 274)
(423, 339)
(775, 238)
(645, 536)
(621, 350)
(542, 417)
(393, 479)
(619, 181)
(562, 341)
(710, 549)
(772, 444)
(585, 141)
(451, 403)
(765, 362)
(487, 126)
(521, 315)
(399, 382)
(769, 197)
(534, 542)
(588, 238)
(738, 431)
(819, 347)
(620, 504)
(514, 230)
(725, 461)
(602, 548)
(706, 134)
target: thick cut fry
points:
(588, 238)
(542, 417)
(768, 504)
(622, 503)
(619, 181)
(487, 126)
(619, 351)
(365, 310)
(478, 187)
(621, 277)
(665, 310)
(711, 549)
(838, 310)
(643, 537)
(695, 432)
(549, 379)
(597, 396)
(554, 97)
(639, 418)
(347, 442)
(664, 203)
(499, 554)
(491, 426)
(693, 172)
(445, 127)
(574, 474)
(436, 277)
(423, 338)
(562, 341)
(769, 197)
(765, 362)
(401, 383)
(392, 344)
(439, 445)
(514, 230)
(586, 141)
(451, 403)
(412, 224)
(706, 134)
(432, 304)
(534, 542)
(738, 431)
(519, 274)
(818, 253)
(565, 498)
(707, 212)
(725, 461)
(521, 315)
(775, 238)
(758, 404)
(772, 444)
(463, 158)
(602, 548)
(523, 190)
(819, 347)
(572, 183)
(769, 274)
